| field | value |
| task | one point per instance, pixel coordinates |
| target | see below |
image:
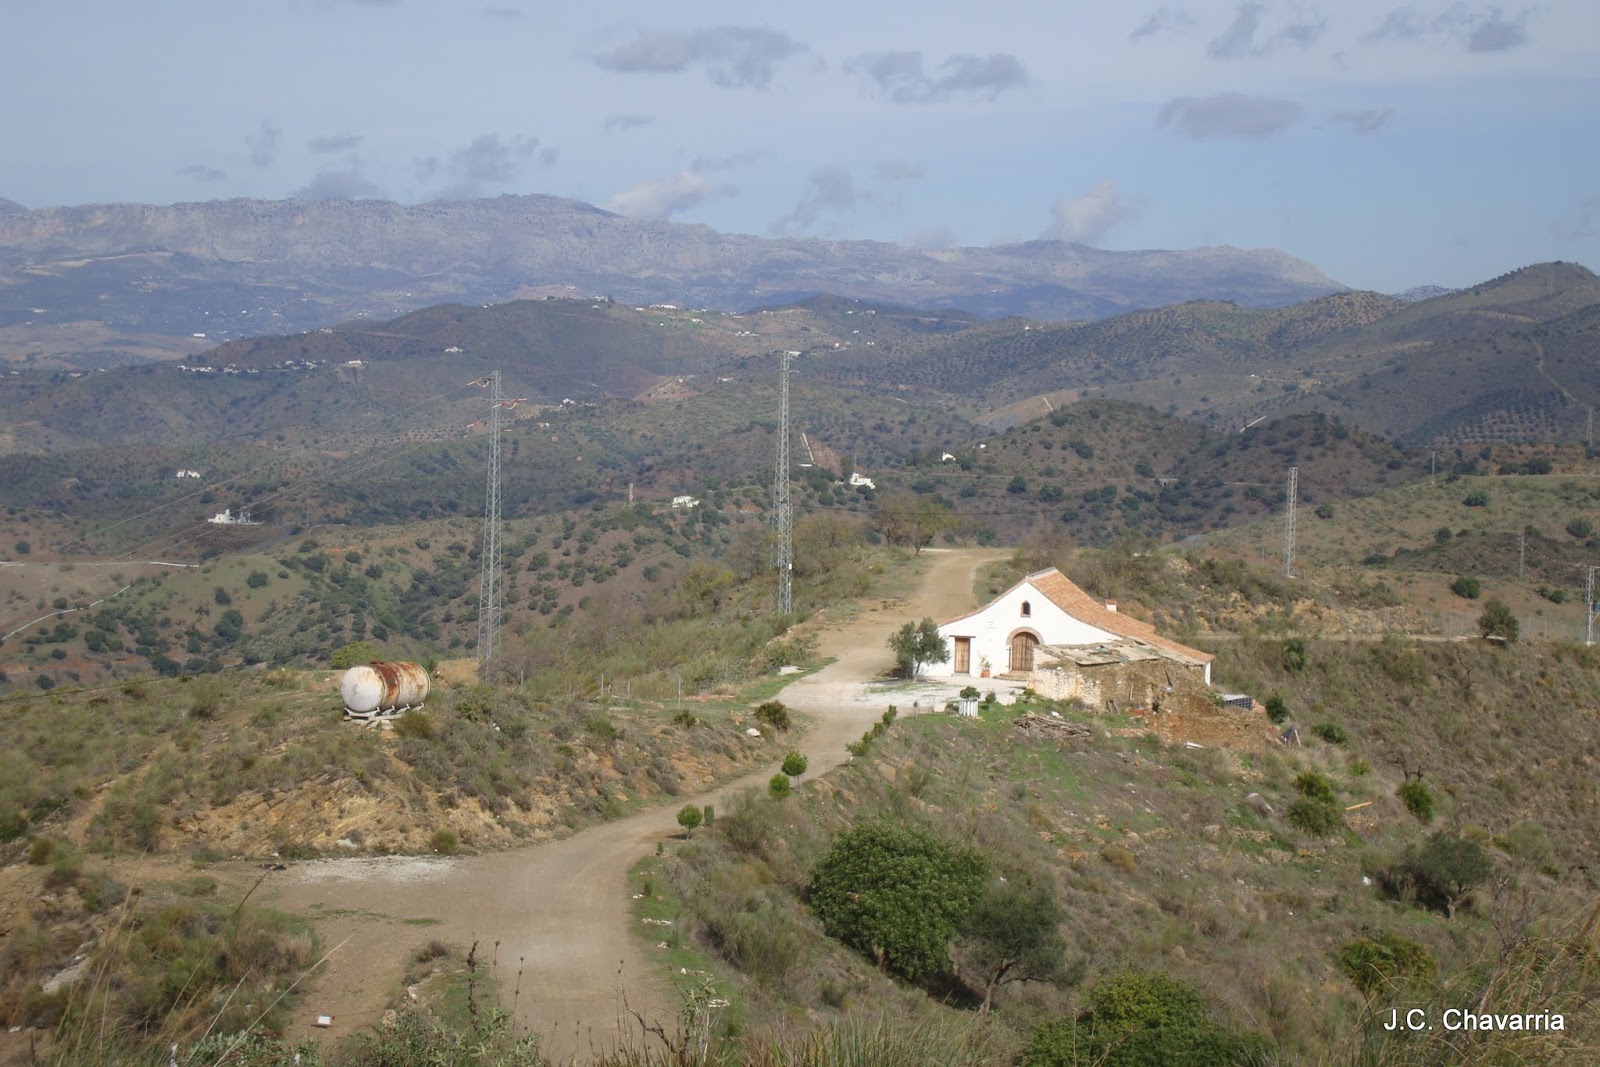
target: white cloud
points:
(666, 197)
(1228, 115)
(1086, 219)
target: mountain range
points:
(110, 284)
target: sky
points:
(1388, 144)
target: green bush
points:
(774, 714)
(1142, 1020)
(779, 786)
(897, 893)
(690, 816)
(1277, 710)
(1382, 963)
(795, 764)
(1468, 588)
(1417, 798)
(1316, 810)
(1478, 498)
(1331, 732)
(414, 724)
(444, 842)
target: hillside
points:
(114, 282)
(1512, 359)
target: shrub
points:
(774, 714)
(1379, 964)
(1277, 710)
(257, 579)
(40, 851)
(1316, 810)
(1582, 529)
(779, 786)
(686, 719)
(1295, 654)
(1417, 798)
(1469, 588)
(689, 817)
(1331, 732)
(795, 764)
(416, 725)
(897, 893)
(1478, 498)
(443, 842)
(1136, 1019)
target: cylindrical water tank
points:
(383, 688)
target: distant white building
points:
(685, 502)
(226, 517)
(857, 478)
(186, 474)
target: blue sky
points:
(1389, 144)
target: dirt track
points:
(562, 907)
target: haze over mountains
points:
(152, 276)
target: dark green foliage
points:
(257, 579)
(1331, 732)
(918, 643)
(1478, 498)
(1295, 656)
(1470, 588)
(774, 714)
(779, 786)
(1383, 963)
(1324, 511)
(1439, 873)
(1582, 529)
(690, 816)
(1417, 798)
(1316, 810)
(795, 764)
(1142, 1020)
(1498, 621)
(898, 894)
(1277, 710)
(1012, 935)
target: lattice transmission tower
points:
(1591, 610)
(1288, 523)
(783, 514)
(489, 560)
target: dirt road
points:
(561, 908)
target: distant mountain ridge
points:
(237, 268)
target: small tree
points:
(1442, 871)
(1011, 935)
(916, 644)
(689, 817)
(1498, 621)
(794, 764)
(779, 786)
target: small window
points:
(1027, 609)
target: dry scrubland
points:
(1193, 864)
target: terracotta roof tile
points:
(1064, 594)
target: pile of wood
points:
(1031, 725)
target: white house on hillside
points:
(1017, 632)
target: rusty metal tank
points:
(383, 688)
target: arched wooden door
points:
(1022, 646)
